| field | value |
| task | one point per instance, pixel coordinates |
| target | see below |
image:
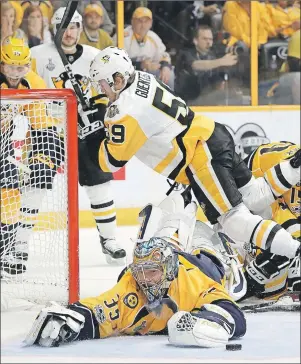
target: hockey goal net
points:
(39, 197)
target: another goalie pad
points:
(55, 325)
(173, 219)
(212, 327)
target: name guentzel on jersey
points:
(143, 85)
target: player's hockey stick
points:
(69, 12)
(19, 164)
(278, 305)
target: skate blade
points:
(116, 262)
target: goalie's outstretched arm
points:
(56, 324)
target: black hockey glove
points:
(91, 123)
(260, 270)
(295, 161)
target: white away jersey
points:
(50, 67)
(150, 122)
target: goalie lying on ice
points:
(163, 290)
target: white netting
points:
(34, 219)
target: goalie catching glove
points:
(211, 327)
(55, 325)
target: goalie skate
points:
(114, 254)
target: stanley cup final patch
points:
(99, 314)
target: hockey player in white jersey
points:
(97, 184)
(146, 119)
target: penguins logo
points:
(105, 59)
(247, 138)
(61, 80)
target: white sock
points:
(103, 209)
(31, 200)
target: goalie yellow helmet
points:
(15, 52)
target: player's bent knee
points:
(284, 244)
(10, 205)
(239, 223)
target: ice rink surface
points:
(272, 337)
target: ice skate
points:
(114, 254)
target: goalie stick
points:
(69, 12)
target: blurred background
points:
(216, 53)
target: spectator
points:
(45, 6)
(35, 26)
(146, 48)
(11, 18)
(198, 70)
(211, 10)
(287, 90)
(286, 19)
(193, 15)
(237, 21)
(92, 34)
(107, 25)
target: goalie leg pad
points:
(173, 218)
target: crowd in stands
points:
(201, 49)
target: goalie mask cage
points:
(50, 232)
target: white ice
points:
(271, 337)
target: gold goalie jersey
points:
(122, 309)
(286, 209)
(148, 121)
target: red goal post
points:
(67, 102)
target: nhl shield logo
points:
(50, 66)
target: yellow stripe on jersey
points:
(273, 183)
(268, 155)
(169, 158)
(201, 129)
(126, 138)
(264, 227)
(205, 177)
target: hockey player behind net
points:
(172, 291)
(96, 183)
(42, 151)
